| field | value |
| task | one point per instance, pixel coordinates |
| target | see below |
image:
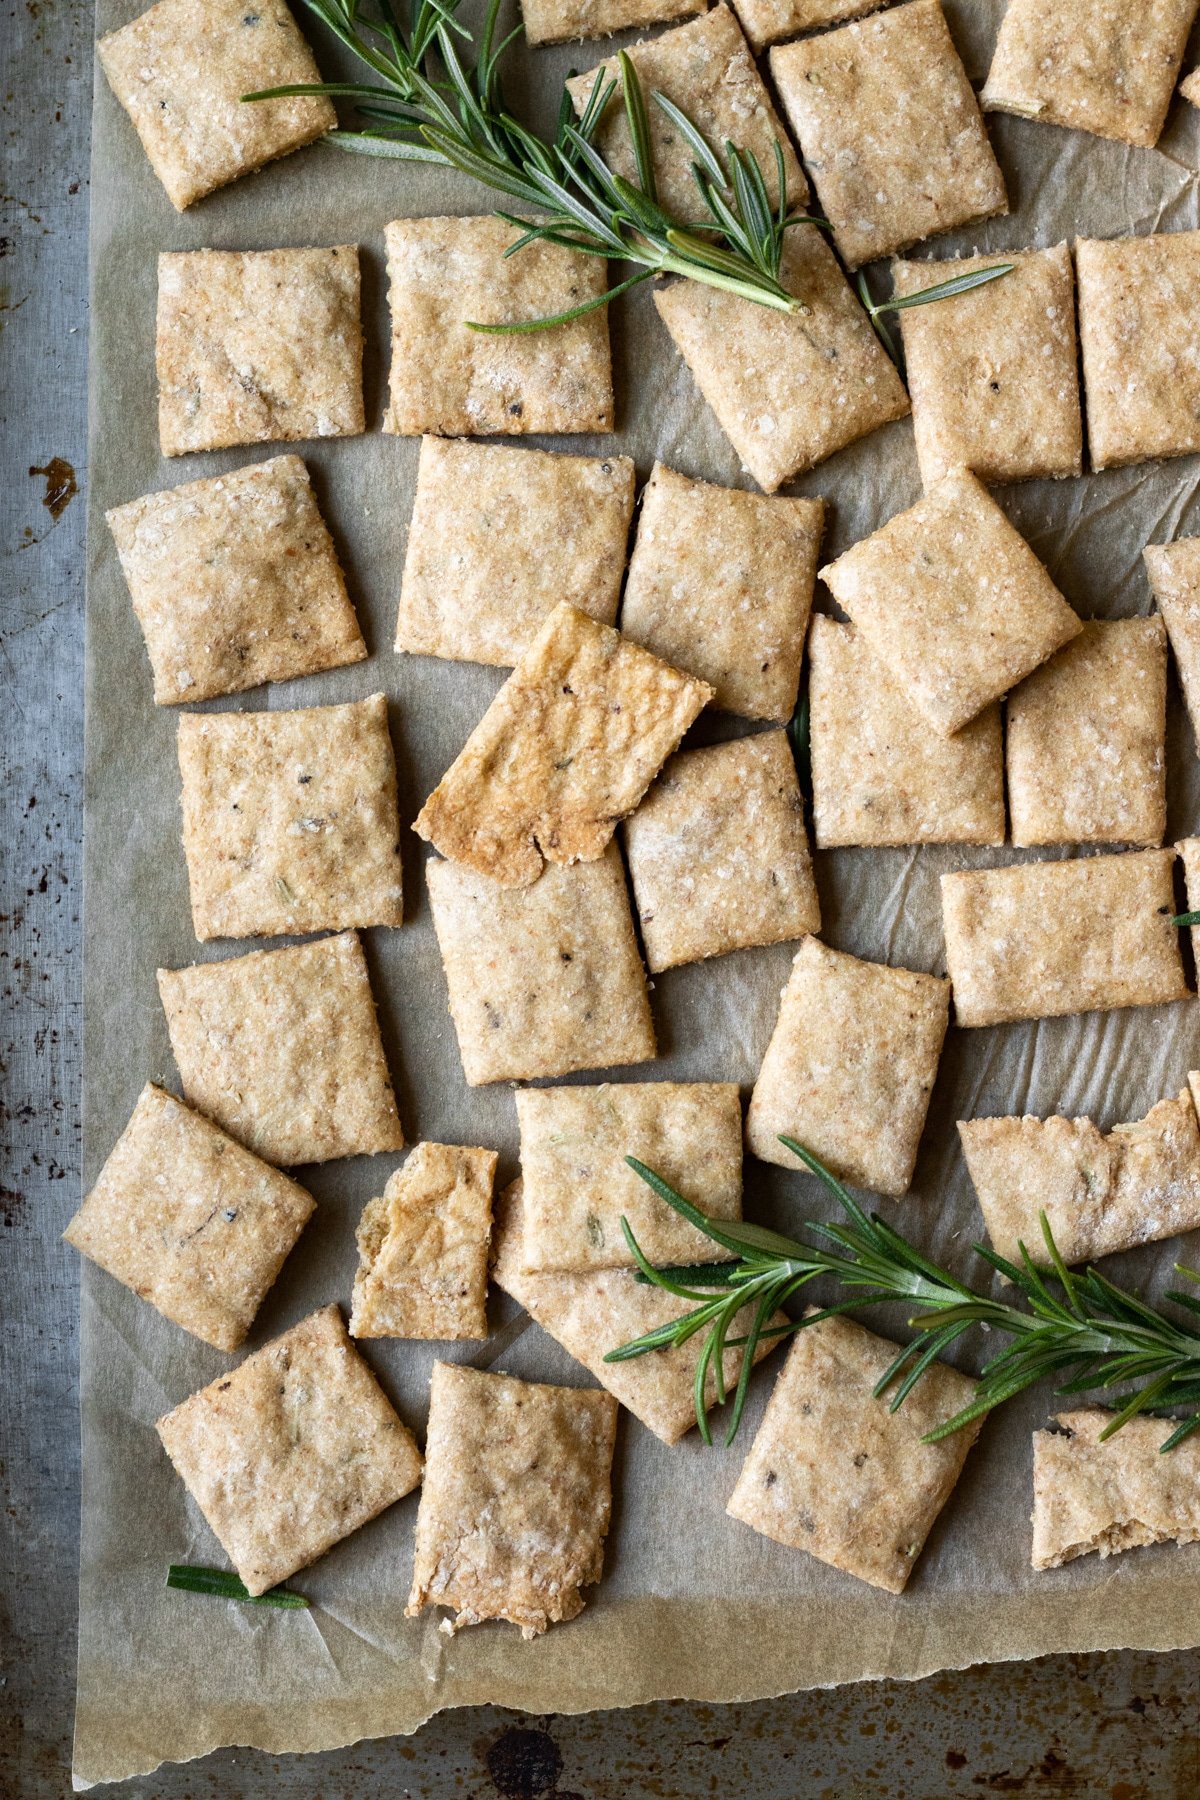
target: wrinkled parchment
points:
(691, 1603)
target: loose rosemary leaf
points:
(222, 1585)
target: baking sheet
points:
(692, 1604)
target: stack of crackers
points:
(954, 696)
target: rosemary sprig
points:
(1079, 1327)
(219, 1582)
(940, 290)
(1190, 918)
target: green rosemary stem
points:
(223, 1585)
(940, 290)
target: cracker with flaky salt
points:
(890, 130)
(718, 853)
(1100, 1191)
(768, 21)
(564, 752)
(1041, 939)
(256, 346)
(546, 979)
(578, 1185)
(235, 581)
(444, 275)
(423, 1248)
(1104, 66)
(591, 1314)
(787, 389)
(290, 820)
(834, 1471)
(993, 373)
(560, 21)
(850, 1067)
(950, 597)
(881, 774)
(282, 1049)
(180, 71)
(516, 1501)
(1139, 335)
(1174, 571)
(291, 1451)
(705, 68)
(721, 583)
(189, 1220)
(1086, 740)
(499, 536)
(1111, 1496)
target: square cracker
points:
(290, 820)
(706, 69)
(720, 583)
(180, 71)
(1139, 334)
(718, 853)
(448, 379)
(881, 774)
(566, 750)
(1111, 1496)
(890, 130)
(850, 1067)
(578, 1186)
(517, 1498)
(788, 389)
(255, 346)
(499, 536)
(832, 1471)
(1101, 1191)
(1104, 66)
(282, 1049)
(544, 980)
(993, 373)
(767, 21)
(291, 1451)
(952, 600)
(1086, 740)
(423, 1248)
(1022, 943)
(235, 581)
(1174, 571)
(189, 1220)
(560, 21)
(592, 1313)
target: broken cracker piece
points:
(499, 536)
(890, 130)
(1174, 571)
(720, 584)
(291, 1451)
(787, 389)
(850, 1067)
(561, 21)
(835, 1472)
(881, 774)
(578, 1186)
(1111, 1496)
(1139, 334)
(1038, 940)
(718, 853)
(1101, 1192)
(767, 21)
(444, 275)
(235, 581)
(546, 979)
(282, 1049)
(189, 1220)
(566, 749)
(516, 1501)
(256, 346)
(180, 70)
(423, 1248)
(1086, 740)
(953, 602)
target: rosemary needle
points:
(1081, 1328)
(224, 1586)
(940, 290)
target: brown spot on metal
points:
(61, 486)
(524, 1764)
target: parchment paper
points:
(692, 1604)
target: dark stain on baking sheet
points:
(524, 1764)
(61, 486)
